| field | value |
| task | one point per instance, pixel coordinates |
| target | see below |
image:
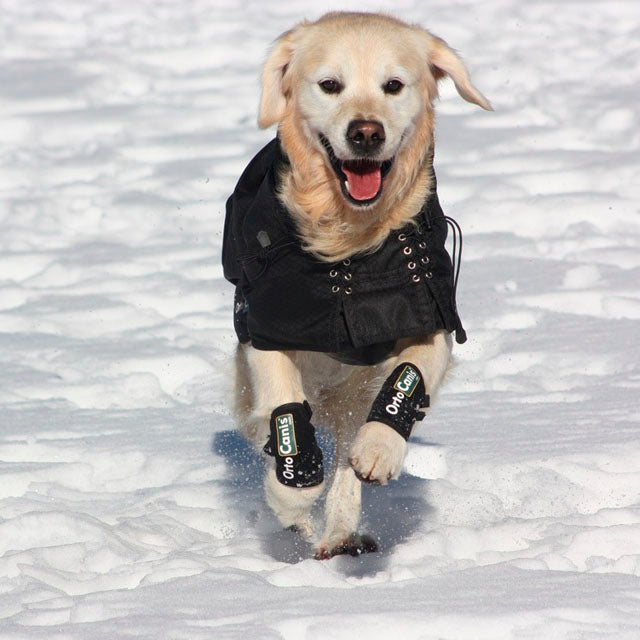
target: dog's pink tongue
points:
(363, 185)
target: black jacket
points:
(355, 309)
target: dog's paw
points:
(377, 453)
(304, 529)
(354, 545)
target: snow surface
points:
(129, 506)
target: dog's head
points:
(358, 89)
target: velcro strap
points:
(293, 443)
(399, 401)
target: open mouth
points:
(361, 179)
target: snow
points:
(129, 506)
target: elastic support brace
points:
(292, 443)
(399, 401)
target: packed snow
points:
(129, 505)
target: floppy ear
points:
(444, 61)
(274, 99)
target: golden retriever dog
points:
(334, 238)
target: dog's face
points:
(360, 102)
(358, 85)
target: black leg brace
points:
(293, 444)
(399, 401)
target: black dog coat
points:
(356, 309)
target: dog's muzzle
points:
(361, 178)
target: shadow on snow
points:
(391, 514)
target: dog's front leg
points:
(378, 452)
(276, 381)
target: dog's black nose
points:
(365, 136)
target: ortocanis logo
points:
(407, 381)
(287, 445)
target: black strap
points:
(293, 443)
(399, 401)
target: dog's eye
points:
(392, 86)
(330, 86)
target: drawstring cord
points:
(456, 254)
(456, 258)
(456, 261)
(266, 253)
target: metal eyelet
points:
(348, 291)
(333, 273)
(402, 237)
(346, 262)
(425, 260)
(422, 245)
(415, 277)
(335, 288)
(347, 276)
(428, 274)
(407, 251)
(411, 265)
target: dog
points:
(334, 238)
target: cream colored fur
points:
(362, 51)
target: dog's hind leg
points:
(344, 499)
(275, 380)
(342, 515)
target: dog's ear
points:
(274, 91)
(444, 62)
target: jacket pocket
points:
(376, 316)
